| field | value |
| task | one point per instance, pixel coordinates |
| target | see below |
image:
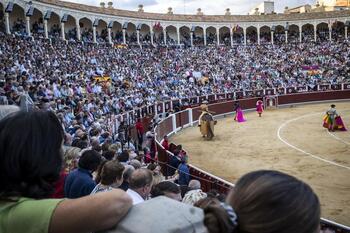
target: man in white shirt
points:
(140, 185)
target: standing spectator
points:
(140, 131)
(184, 172)
(165, 142)
(79, 183)
(140, 185)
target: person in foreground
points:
(30, 164)
(265, 202)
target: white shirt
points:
(136, 198)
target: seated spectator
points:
(79, 182)
(140, 185)
(193, 196)
(266, 201)
(162, 215)
(168, 189)
(135, 163)
(123, 157)
(110, 177)
(194, 184)
(30, 164)
(126, 176)
(108, 155)
(156, 172)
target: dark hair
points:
(123, 157)
(333, 106)
(109, 155)
(216, 218)
(271, 201)
(30, 154)
(151, 167)
(90, 160)
(111, 171)
(164, 187)
(140, 178)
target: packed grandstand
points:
(109, 77)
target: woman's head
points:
(271, 201)
(30, 154)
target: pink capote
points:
(239, 116)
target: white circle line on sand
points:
(300, 150)
(338, 138)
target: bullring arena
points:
(289, 139)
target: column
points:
(124, 38)
(286, 36)
(330, 32)
(138, 36)
(164, 35)
(205, 36)
(300, 31)
(46, 32)
(258, 31)
(218, 36)
(78, 30)
(231, 37)
(28, 25)
(245, 36)
(346, 32)
(178, 35)
(109, 36)
(272, 33)
(191, 33)
(315, 32)
(152, 36)
(7, 23)
(62, 31)
(94, 34)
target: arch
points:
(225, 36)
(17, 20)
(101, 31)
(265, 34)
(198, 36)
(85, 25)
(237, 34)
(293, 33)
(158, 36)
(322, 31)
(70, 28)
(185, 35)
(145, 34)
(252, 34)
(131, 33)
(279, 34)
(54, 25)
(338, 30)
(116, 32)
(36, 22)
(211, 35)
(171, 34)
(307, 31)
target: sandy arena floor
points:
(308, 152)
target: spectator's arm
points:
(91, 213)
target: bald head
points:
(140, 178)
